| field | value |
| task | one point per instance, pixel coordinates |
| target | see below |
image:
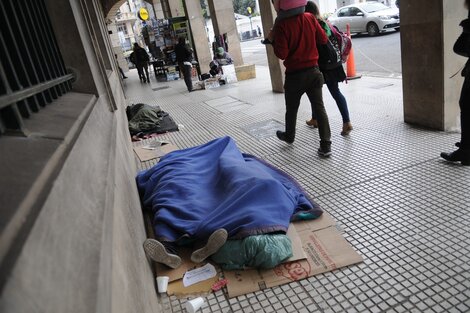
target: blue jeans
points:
(340, 101)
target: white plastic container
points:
(193, 305)
(162, 283)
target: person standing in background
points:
(120, 69)
(462, 47)
(184, 57)
(141, 59)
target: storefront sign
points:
(143, 14)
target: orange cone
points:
(351, 63)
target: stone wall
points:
(84, 252)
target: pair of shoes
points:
(216, 240)
(157, 252)
(282, 136)
(312, 123)
(460, 155)
(347, 128)
(266, 42)
(325, 149)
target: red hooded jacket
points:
(295, 41)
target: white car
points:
(370, 17)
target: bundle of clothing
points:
(145, 119)
(196, 191)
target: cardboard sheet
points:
(175, 274)
(326, 250)
(297, 250)
(146, 153)
(318, 247)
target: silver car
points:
(370, 17)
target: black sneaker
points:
(214, 243)
(157, 252)
(325, 149)
(459, 155)
(282, 136)
(266, 42)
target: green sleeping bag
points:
(263, 251)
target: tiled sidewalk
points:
(400, 206)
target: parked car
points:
(370, 17)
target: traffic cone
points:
(351, 63)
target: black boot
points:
(325, 149)
(460, 155)
(282, 136)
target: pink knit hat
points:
(291, 4)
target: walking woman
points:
(462, 47)
(332, 72)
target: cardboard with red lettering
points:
(325, 248)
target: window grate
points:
(32, 71)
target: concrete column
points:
(430, 96)
(276, 68)
(176, 8)
(199, 34)
(223, 20)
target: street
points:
(375, 56)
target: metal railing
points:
(32, 71)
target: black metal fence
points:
(32, 71)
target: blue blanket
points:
(195, 191)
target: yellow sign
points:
(249, 10)
(143, 14)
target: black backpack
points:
(329, 54)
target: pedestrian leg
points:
(465, 115)
(462, 154)
(314, 93)
(342, 106)
(146, 68)
(187, 69)
(341, 102)
(292, 108)
(141, 74)
(313, 121)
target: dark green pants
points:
(309, 82)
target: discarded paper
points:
(200, 274)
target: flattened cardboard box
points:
(326, 250)
(146, 155)
(176, 287)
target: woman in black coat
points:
(333, 74)
(462, 47)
